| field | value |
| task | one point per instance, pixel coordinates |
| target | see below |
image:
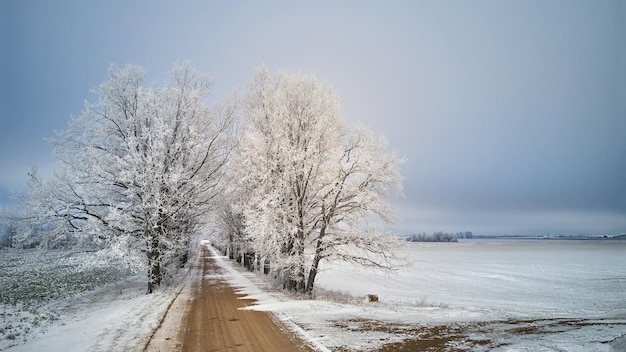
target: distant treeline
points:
(439, 237)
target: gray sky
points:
(512, 114)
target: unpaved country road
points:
(212, 321)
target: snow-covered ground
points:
(509, 296)
(496, 296)
(64, 301)
(515, 279)
(118, 317)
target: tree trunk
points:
(299, 284)
(183, 252)
(294, 279)
(154, 263)
(316, 261)
(312, 274)
(288, 282)
(230, 247)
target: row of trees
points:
(145, 167)
(439, 236)
(303, 186)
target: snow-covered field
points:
(515, 279)
(31, 281)
(474, 296)
(64, 301)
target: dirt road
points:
(212, 321)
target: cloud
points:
(510, 115)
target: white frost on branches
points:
(306, 184)
(141, 166)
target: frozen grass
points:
(31, 279)
(337, 296)
(345, 297)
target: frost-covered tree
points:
(310, 183)
(49, 215)
(141, 166)
(231, 230)
(7, 230)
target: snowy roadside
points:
(340, 321)
(323, 323)
(115, 317)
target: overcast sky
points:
(512, 114)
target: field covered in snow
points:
(468, 296)
(511, 279)
(68, 301)
(474, 296)
(31, 281)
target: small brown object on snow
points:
(372, 298)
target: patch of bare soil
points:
(469, 336)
